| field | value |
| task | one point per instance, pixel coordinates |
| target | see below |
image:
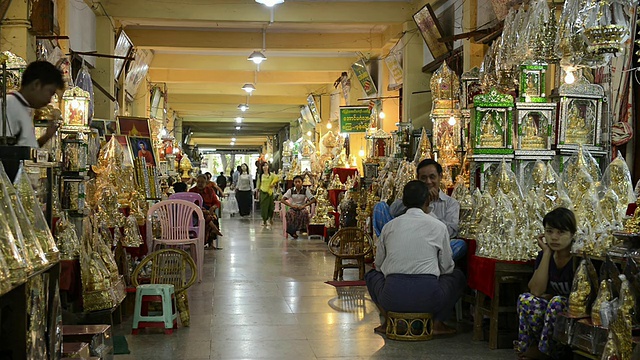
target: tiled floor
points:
(264, 297)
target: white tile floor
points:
(264, 297)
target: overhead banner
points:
(311, 102)
(362, 73)
(354, 119)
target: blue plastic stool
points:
(147, 293)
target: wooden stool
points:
(351, 244)
(505, 273)
(409, 326)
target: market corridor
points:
(264, 297)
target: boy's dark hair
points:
(561, 219)
(179, 187)
(298, 177)
(427, 162)
(415, 194)
(44, 71)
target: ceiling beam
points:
(199, 98)
(187, 61)
(233, 107)
(250, 11)
(235, 89)
(240, 77)
(237, 40)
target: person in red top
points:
(145, 154)
(210, 204)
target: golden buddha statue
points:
(577, 128)
(336, 184)
(581, 290)
(448, 156)
(632, 225)
(342, 159)
(491, 136)
(538, 173)
(531, 138)
(532, 85)
(604, 294)
(306, 181)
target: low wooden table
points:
(505, 277)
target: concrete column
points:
(415, 107)
(103, 72)
(14, 31)
(390, 107)
(141, 101)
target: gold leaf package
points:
(604, 294)
(424, 148)
(25, 258)
(97, 291)
(580, 292)
(68, 242)
(5, 275)
(36, 217)
(132, 236)
(553, 192)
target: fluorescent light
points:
(270, 3)
(243, 107)
(232, 143)
(239, 119)
(233, 139)
(257, 57)
(237, 127)
(248, 88)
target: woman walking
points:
(266, 182)
(244, 189)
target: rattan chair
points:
(170, 266)
(350, 243)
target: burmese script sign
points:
(362, 73)
(354, 119)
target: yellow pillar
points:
(473, 53)
(390, 107)
(141, 101)
(103, 72)
(14, 31)
(415, 107)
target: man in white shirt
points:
(414, 264)
(40, 81)
(441, 206)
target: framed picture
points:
(122, 140)
(141, 148)
(123, 48)
(431, 31)
(134, 126)
(105, 127)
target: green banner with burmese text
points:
(354, 119)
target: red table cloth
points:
(481, 271)
(344, 173)
(334, 197)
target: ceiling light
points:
(452, 120)
(214, 149)
(328, 125)
(232, 143)
(248, 88)
(237, 127)
(361, 152)
(308, 133)
(239, 119)
(233, 139)
(243, 107)
(269, 3)
(382, 115)
(569, 78)
(257, 57)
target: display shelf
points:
(14, 321)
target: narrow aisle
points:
(264, 297)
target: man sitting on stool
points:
(441, 206)
(414, 268)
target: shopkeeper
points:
(441, 206)
(40, 81)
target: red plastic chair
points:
(175, 218)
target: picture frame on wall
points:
(105, 127)
(431, 31)
(141, 147)
(124, 142)
(123, 48)
(134, 126)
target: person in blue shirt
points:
(549, 288)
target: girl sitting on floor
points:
(549, 288)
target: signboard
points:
(431, 31)
(314, 110)
(362, 73)
(395, 69)
(354, 119)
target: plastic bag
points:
(83, 81)
(580, 292)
